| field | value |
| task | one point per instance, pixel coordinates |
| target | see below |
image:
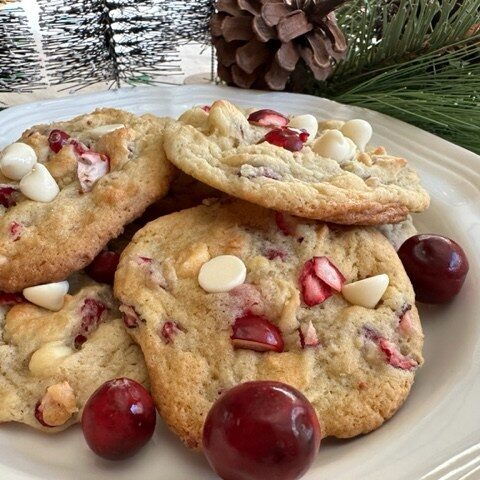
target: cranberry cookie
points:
(284, 164)
(66, 189)
(231, 292)
(51, 362)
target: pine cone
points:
(260, 42)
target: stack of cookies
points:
(269, 254)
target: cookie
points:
(355, 364)
(96, 173)
(51, 362)
(222, 148)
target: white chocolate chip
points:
(367, 292)
(306, 122)
(50, 296)
(98, 132)
(46, 360)
(360, 131)
(17, 160)
(222, 274)
(333, 144)
(39, 185)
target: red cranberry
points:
(254, 332)
(103, 267)
(436, 265)
(10, 299)
(118, 419)
(287, 138)
(92, 311)
(8, 195)
(39, 415)
(57, 139)
(261, 430)
(268, 118)
(169, 330)
(317, 279)
(16, 230)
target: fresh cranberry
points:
(169, 330)
(254, 332)
(8, 195)
(268, 118)
(287, 138)
(103, 267)
(261, 430)
(118, 419)
(436, 265)
(57, 139)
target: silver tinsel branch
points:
(20, 68)
(118, 41)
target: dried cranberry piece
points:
(169, 330)
(394, 357)
(392, 354)
(308, 336)
(92, 311)
(274, 253)
(57, 139)
(91, 167)
(16, 231)
(8, 194)
(286, 223)
(206, 108)
(130, 316)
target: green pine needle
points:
(415, 60)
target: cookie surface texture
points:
(223, 149)
(51, 362)
(363, 365)
(45, 242)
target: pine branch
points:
(416, 60)
(20, 67)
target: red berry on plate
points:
(118, 419)
(268, 118)
(436, 265)
(103, 267)
(261, 430)
(57, 139)
(254, 332)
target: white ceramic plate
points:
(434, 436)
